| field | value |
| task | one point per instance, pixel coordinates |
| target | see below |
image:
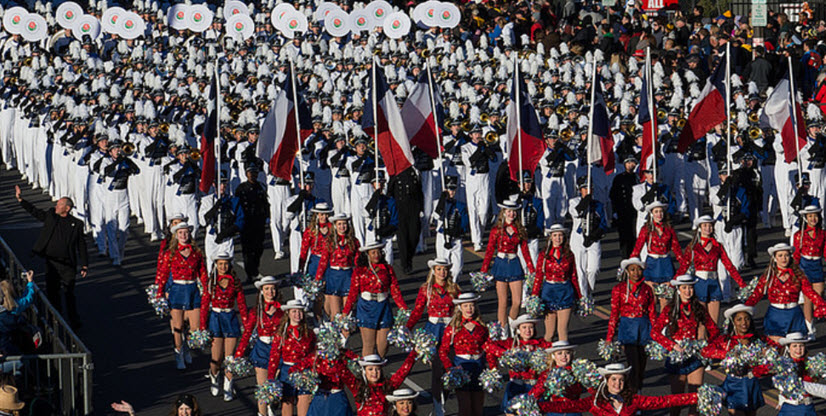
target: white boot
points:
(511, 329)
(180, 364)
(213, 384)
(229, 390)
(811, 327)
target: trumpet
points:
(661, 114)
(491, 137)
(466, 125)
(562, 110)
(681, 123)
(484, 117)
(566, 134)
(195, 155)
(755, 133)
(164, 128)
(753, 117)
(128, 148)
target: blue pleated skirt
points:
(507, 270)
(312, 264)
(373, 314)
(813, 269)
(513, 389)
(474, 368)
(634, 331)
(682, 368)
(260, 354)
(742, 393)
(284, 377)
(437, 330)
(184, 297)
(658, 270)
(708, 290)
(330, 404)
(797, 410)
(779, 322)
(337, 282)
(224, 324)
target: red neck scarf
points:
(704, 241)
(555, 252)
(744, 336)
(781, 271)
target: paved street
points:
(132, 347)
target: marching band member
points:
(218, 315)
(116, 169)
(183, 264)
(556, 283)
(222, 216)
(338, 259)
(683, 318)
(633, 311)
(703, 254)
(506, 236)
(264, 320)
(531, 214)
(361, 166)
(451, 217)
(372, 285)
(293, 341)
(468, 337)
(383, 217)
(477, 158)
(590, 224)
(809, 243)
(182, 185)
(782, 283)
(659, 238)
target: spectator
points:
(10, 309)
(62, 244)
(759, 70)
(9, 403)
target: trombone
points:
(755, 133)
(195, 155)
(753, 117)
(128, 148)
(681, 123)
(491, 137)
(566, 134)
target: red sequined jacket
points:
(719, 347)
(811, 246)
(605, 408)
(266, 327)
(313, 241)
(630, 300)
(495, 349)
(342, 256)
(223, 298)
(292, 347)
(177, 267)
(502, 242)
(380, 278)
(687, 327)
(706, 260)
(658, 243)
(376, 403)
(330, 372)
(572, 392)
(463, 341)
(554, 266)
(780, 292)
(437, 301)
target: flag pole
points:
(794, 123)
(217, 141)
(297, 125)
(435, 122)
(649, 93)
(517, 95)
(588, 143)
(375, 138)
(728, 124)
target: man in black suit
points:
(62, 244)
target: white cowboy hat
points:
(794, 338)
(340, 217)
(524, 319)
(294, 304)
(560, 346)
(465, 298)
(683, 279)
(372, 360)
(266, 280)
(178, 216)
(615, 368)
(372, 245)
(656, 204)
(402, 394)
(223, 256)
(780, 247)
(703, 220)
(738, 308)
(810, 209)
(179, 226)
(322, 208)
(438, 262)
(556, 228)
(508, 204)
(629, 261)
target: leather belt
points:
(657, 256)
(340, 268)
(810, 257)
(265, 340)
(790, 305)
(219, 310)
(554, 282)
(706, 275)
(289, 363)
(378, 297)
(183, 282)
(469, 356)
(436, 320)
(805, 402)
(509, 256)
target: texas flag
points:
(390, 135)
(601, 129)
(777, 114)
(278, 142)
(649, 125)
(524, 131)
(209, 133)
(419, 121)
(710, 109)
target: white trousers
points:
(116, 216)
(696, 185)
(453, 255)
(278, 194)
(587, 261)
(478, 202)
(733, 244)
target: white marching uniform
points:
(96, 194)
(784, 181)
(181, 198)
(477, 192)
(696, 184)
(431, 184)
(340, 182)
(116, 204)
(587, 259)
(552, 190)
(211, 248)
(278, 192)
(360, 192)
(732, 242)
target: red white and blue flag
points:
(388, 128)
(209, 133)
(649, 125)
(777, 114)
(419, 121)
(278, 142)
(601, 129)
(529, 144)
(710, 109)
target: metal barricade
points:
(62, 374)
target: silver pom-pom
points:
(491, 380)
(534, 306)
(609, 351)
(454, 378)
(496, 332)
(710, 400)
(199, 339)
(238, 367)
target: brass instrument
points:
(754, 117)
(164, 128)
(466, 125)
(128, 148)
(562, 110)
(566, 134)
(681, 123)
(755, 133)
(632, 129)
(195, 155)
(733, 128)
(661, 114)
(491, 137)
(484, 117)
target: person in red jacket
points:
(338, 258)
(373, 284)
(183, 264)
(782, 283)
(809, 246)
(218, 314)
(263, 320)
(632, 312)
(684, 318)
(616, 398)
(370, 391)
(659, 238)
(704, 254)
(524, 328)
(294, 341)
(436, 297)
(794, 345)
(556, 281)
(314, 238)
(506, 237)
(168, 234)
(404, 402)
(742, 385)
(560, 354)
(468, 336)
(330, 398)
